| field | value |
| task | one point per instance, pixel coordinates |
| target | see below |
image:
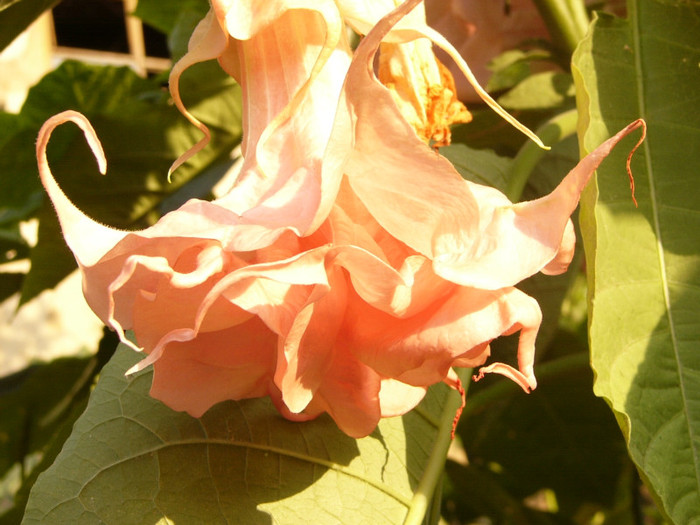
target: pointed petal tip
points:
(199, 146)
(440, 41)
(587, 166)
(527, 383)
(296, 397)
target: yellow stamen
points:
(423, 88)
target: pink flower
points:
(349, 268)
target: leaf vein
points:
(641, 92)
(386, 489)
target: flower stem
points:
(579, 15)
(551, 132)
(436, 462)
(566, 20)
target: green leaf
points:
(10, 283)
(513, 66)
(4, 4)
(176, 18)
(9, 125)
(540, 91)
(241, 463)
(34, 413)
(477, 493)
(644, 277)
(17, 15)
(480, 166)
(140, 130)
(51, 259)
(164, 15)
(13, 248)
(20, 195)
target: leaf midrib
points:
(641, 100)
(405, 501)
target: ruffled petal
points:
(386, 273)
(152, 310)
(350, 394)
(565, 253)
(236, 363)
(455, 332)
(397, 398)
(158, 248)
(308, 348)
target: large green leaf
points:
(644, 264)
(19, 186)
(51, 258)
(130, 459)
(482, 166)
(164, 15)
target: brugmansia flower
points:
(350, 267)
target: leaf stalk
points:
(436, 462)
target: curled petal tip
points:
(88, 239)
(631, 127)
(453, 381)
(527, 382)
(84, 124)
